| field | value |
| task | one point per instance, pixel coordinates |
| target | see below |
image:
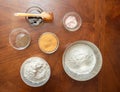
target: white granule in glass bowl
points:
(36, 70)
(71, 22)
(80, 59)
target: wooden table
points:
(101, 25)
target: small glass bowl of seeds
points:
(19, 38)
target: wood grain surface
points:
(100, 25)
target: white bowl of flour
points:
(35, 71)
(82, 60)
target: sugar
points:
(71, 22)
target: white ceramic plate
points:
(96, 68)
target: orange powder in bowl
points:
(48, 42)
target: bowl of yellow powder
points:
(48, 42)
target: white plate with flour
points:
(82, 60)
(35, 71)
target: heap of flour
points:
(36, 70)
(80, 59)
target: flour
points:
(71, 22)
(80, 59)
(36, 70)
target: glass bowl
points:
(19, 38)
(34, 21)
(84, 75)
(72, 21)
(25, 65)
(49, 42)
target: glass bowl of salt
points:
(19, 38)
(72, 21)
